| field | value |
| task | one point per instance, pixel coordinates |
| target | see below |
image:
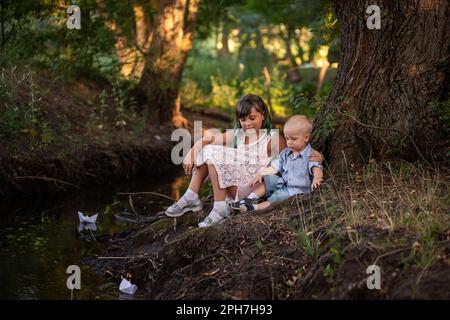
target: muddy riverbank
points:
(63, 137)
(309, 247)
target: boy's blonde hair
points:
(301, 123)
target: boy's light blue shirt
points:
(296, 172)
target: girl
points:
(254, 145)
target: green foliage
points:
(39, 36)
(336, 260)
(223, 88)
(259, 244)
(18, 120)
(223, 96)
(326, 89)
(307, 242)
(203, 65)
(215, 80)
(218, 9)
(192, 95)
(326, 128)
(441, 110)
(329, 273)
(326, 27)
(116, 111)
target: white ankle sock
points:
(190, 195)
(252, 196)
(220, 206)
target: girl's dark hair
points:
(245, 105)
(244, 108)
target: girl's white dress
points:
(237, 166)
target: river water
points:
(39, 240)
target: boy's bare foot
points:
(249, 207)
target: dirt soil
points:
(88, 147)
(264, 256)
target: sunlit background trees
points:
(219, 50)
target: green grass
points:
(408, 201)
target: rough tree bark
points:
(173, 34)
(380, 104)
(130, 53)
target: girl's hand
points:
(316, 156)
(316, 183)
(188, 168)
(188, 163)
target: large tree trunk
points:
(380, 104)
(130, 53)
(293, 72)
(172, 40)
(225, 50)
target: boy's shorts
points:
(273, 193)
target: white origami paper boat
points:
(87, 226)
(127, 287)
(86, 219)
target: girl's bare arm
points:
(218, 139)
(274, 148)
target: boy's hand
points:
(316, 183)
(267, 171)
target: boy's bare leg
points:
(198, 176)
(232, 192)
(263, 205)
(259, 189)
(219, 194)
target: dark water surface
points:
(39, 240)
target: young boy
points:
(294, 169)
